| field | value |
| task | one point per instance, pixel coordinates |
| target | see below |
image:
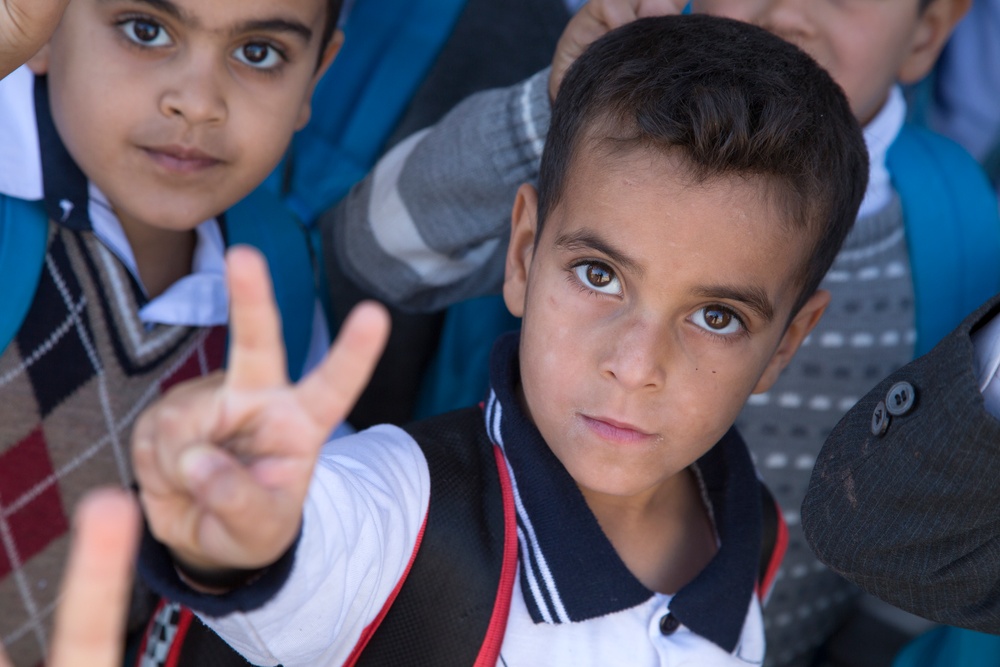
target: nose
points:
(636, 356)
(194, 91)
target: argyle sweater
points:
(72, 382)
(78, 372)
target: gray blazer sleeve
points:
(430, 223)
(913, 515)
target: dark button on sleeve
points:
(880, 419)
(900, 398)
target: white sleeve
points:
(362, 518)
(987, 359)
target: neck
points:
(162, 256)
(664, 537)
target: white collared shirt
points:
(879, 133)
(198, 299)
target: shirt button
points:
(669, 624)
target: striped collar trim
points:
(569, 570)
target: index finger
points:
(90, 618)
(256, 348)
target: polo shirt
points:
(574, 601)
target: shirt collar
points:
(879, 133)
(569, 569)
(35, 165)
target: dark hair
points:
(732, 99)
(333, 8)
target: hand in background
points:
(224, 462)
(592, 21)
(90, 618)
(25, 26)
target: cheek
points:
(741, 10)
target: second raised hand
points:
(224, 462)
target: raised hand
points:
(25, 25)
(224, 462)
(90, 618)
(592, 21)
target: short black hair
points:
(333, 8)
(732, 99)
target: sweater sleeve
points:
(428, 226)
(361, 524)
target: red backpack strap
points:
(452, 607)
(773, 543)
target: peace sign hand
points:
(224, 462)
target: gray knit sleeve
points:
(429, 224)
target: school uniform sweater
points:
(78, 372)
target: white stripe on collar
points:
(880, 132)
(198, 299)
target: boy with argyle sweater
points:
(143, 123)
(699, 178)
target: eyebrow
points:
(586, 240)
(262, 25)
(754, 298)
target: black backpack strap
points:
(448, 608)
(773, 543)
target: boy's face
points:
(652, 309)
(866, 45)
(176, 109)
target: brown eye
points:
(259, 55)
(145, 32)
(718, 318)
(255, 53)
(598, 275)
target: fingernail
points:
(198, 464)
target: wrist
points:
(215, 580)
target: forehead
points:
(674, 227)
(227, 15)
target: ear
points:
(39, 63)
(934, 27)
(329, 53)
(521, 249)
(800, 326)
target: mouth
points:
(181, 159)
(616, 431)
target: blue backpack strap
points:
(24, 228)
(952, 229)
(947, 646)
(389, 47)
(262, 221)
(459, 373)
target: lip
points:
(181, 159)
(616, 431)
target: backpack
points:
(258, 220)
(471, 599)
(952, 230)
